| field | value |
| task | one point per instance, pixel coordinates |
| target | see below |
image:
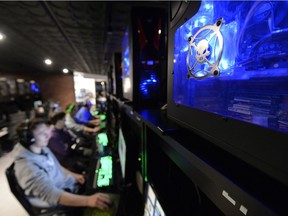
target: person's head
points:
(58, 120)
(88, 104)
(34, 132)
(40, 112)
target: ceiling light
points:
(159, 31)
(2, 36)
(48, 61)
(20, 80)
(65, 70)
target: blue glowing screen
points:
(150, 62)
(34, 87)
(125, 55)
(251, 83)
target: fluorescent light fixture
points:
(65, 70)
(48, 61)
(20, 80)
(2, 36)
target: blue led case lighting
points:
(205, 51)
(251, 83)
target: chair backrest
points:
(17, 190)
(21, 197)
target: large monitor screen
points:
(122, 152)
(126, 67)
(228, 80)
(152, 205)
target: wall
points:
(57, 88)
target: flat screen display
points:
(126, 67)
(152, 205)
(122, 152)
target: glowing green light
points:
(102, 124)
(102, 117)
(105, 171)
(103, 139)
(96, 112)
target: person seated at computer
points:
(45, 182)
(72, 125)
(61, 139)
(101, 101)
(84, 116)
(40, 111)
(61, 142)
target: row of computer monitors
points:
(11, 87)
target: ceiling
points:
(80, 36)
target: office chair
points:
(21, 197)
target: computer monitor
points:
(126, 67)
(122, 152)
(152, 204)
(34, 87)
(12, 87)
(23, 87)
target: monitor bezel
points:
(123, 171)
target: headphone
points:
(26, 137)
(70, 108)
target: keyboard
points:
(102, 142)
(97, 212)
(102, 139)
(103, 176)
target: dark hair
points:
(25, 131)
(87, 104)
(57, 117)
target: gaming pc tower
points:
(144, 56)
(227, 80)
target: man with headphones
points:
(41, 176)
